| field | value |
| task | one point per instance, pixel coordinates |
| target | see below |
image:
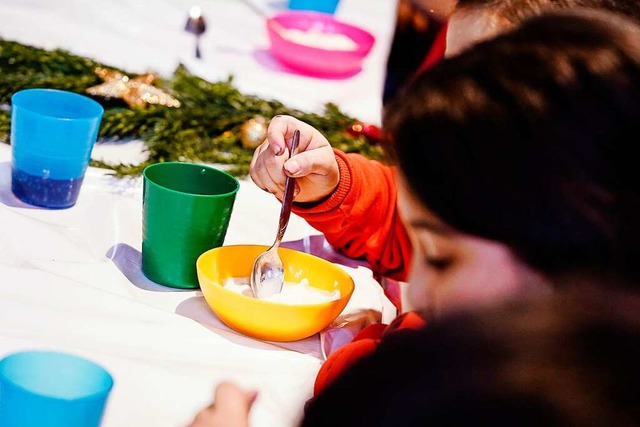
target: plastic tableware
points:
(268, 320)
(326, 6)
(309, 58)
(52, 135)
(52, 389)
(186, 211)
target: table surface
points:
(70, 279)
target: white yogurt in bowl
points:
(292, 293)
(319, 39)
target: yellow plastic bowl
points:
(268, 320)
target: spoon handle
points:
(287, 199)
(198, 54)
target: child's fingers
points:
(266, 170)
(280, 135)
(233, 398)
(320, 162)
(280, 130)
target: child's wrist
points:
(335, 197)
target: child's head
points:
(476, 20)
(517, 161)
(567, 361)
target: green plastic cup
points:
(186, 209)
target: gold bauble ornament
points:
(136, 92)
(253, 132)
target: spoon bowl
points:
(267, 276)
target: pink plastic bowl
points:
(314, 60)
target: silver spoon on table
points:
(196, 25)
(267, 276)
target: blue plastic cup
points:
(326, 6)
(43, 388)
(52, 135)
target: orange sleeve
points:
(361, 219)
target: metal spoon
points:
(196, 26)
(267, 276)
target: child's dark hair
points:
(512, 12)
(527, 139)
(570, 360)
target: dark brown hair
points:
(570, 360)
(512, 12)
(528, 139)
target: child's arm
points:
(349, 198)
(360, 217)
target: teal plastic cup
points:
(186, 210)
(43, 388)
(325, 6)
(52, 135)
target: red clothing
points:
(362, 345)
(361, 217)
(436, 53)
(361, 220)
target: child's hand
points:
(314, 166)
(230, 408)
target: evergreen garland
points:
(206, 128)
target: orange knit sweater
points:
(360, 218)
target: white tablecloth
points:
(148, 35)
(70, 279)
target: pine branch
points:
(5, 124)
(206, 128)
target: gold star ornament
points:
(136, 92)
